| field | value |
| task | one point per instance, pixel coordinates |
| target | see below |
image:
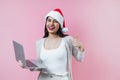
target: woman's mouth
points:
(51, 27)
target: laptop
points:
(28, 64)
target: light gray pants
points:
(43, 76)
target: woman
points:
(55, 49)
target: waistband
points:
(56, 75)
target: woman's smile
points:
(51, 27)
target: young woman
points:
(55, 49)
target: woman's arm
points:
(77, 49)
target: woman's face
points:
(52, 25)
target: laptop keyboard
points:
(30, 64)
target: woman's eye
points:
(49, 20)
(55, 21)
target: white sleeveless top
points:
(55, 59)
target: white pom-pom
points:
(64, 30)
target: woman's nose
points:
(52, 23)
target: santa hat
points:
(58, 15)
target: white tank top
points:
(55, 59)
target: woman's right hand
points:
(20, 63)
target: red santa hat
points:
(58, 15)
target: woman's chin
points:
(52, 32)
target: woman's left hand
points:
(77, 43)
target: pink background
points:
(96, 21)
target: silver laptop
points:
(19, 55)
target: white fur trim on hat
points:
(64, 30)
(56, 15)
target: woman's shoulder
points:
(40, 40)
(68, 38)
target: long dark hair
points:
(59, 32)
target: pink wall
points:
(96, 22)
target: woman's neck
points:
(53, 36)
